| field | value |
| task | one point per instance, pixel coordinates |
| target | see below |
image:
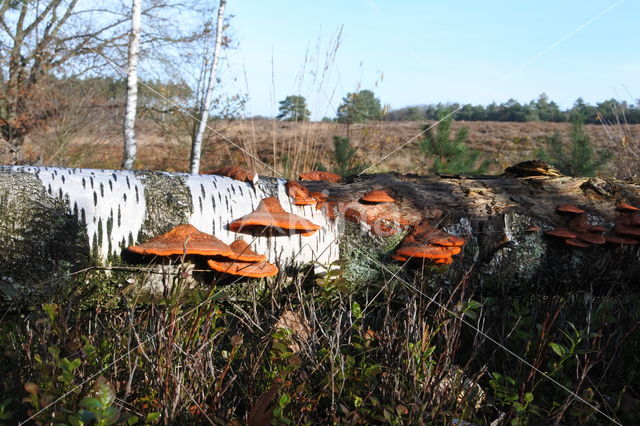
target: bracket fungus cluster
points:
(244, 262)
(234, 259)
(627, 227)
(428, 243)
(580, 233)
(378, 211)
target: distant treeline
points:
(541, 109)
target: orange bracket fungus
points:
(244, 269)
(243, 253)
(183, 239)
(236, 173)
(300, 194)
(571, 209)
(269, 215)
(320, 176)
(377, 196)
(425, 242)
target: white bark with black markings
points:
(198, 136)
(130, 145)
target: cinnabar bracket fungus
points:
(581, 233)
(426, 242)
(243, 253)
(243, 262)
(300, 194)
(377, 196)
(236, 173)
(183, 239)
(245, 269)
(270, 218)
(320, 176)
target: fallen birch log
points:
(56, 220)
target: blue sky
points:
(419, 52)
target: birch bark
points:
(198, 136)
(130, 145)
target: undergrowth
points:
(401, 348)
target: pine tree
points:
(450, 155)
(293, 108)
(579, 159)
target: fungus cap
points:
(561, 233)
(320, 176)
(270, 214)
(576, 243)
(300, 194)
(243, 253)
(626, 230)
(590, 237)
(377, 196)
(616, 239)
(244, 269)
(183, 239)
(569, 208)
(424, 232)
(237, 173)
(427, 251)
(627, 208)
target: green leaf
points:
(284, 400)
(558, 349)
(356, 311)
(472, 304)
(528, 397)
(153, 417)
(91, 403)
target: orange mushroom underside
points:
(245, 269)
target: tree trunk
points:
(54, 221)
(132, 88)
(198, 135)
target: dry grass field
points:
(282, 148)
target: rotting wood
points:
(54, 220)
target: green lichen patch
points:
(42, 241)
(168, 202)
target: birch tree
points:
(132, 87)
(198, 136)
(45, 42)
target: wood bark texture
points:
(57, 220)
